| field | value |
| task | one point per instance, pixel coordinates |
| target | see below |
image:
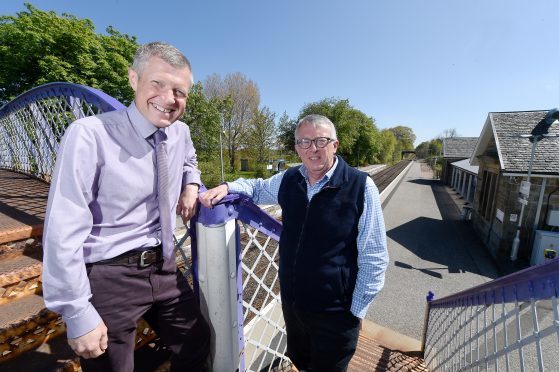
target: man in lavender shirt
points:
(103, 263)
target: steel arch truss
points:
(32, 124)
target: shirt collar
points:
(142, 125)
(326, 177)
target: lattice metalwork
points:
(183, 254)
(264, 329)
(512, 326)
(32, 125)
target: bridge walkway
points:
(23, 201)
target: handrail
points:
(536, 282)
(59, 89)
(241, 207)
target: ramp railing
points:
(510, 324)
(32, 124)
(235, 255)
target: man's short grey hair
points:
(165, 51)
(316, 120)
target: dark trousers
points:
(124, 293)
(320, 341)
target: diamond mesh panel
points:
(183, 255)
(264, 329)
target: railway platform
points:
(431, 248)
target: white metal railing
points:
(509, 324)
(236, 245)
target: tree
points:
(262, 134)
(203, 117)
(449, 133)
(286, 130)
(422, 150)
(435, 147)
(404, 136)
(38, 47)
(357, 133)
(404, 140)
(244, 98)
(388, 146)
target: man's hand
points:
(213, 196)
(92, 344)
(186, 206)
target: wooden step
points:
(53, 355)
(25, 324)
(23, 201)
(370, 356)
(19, 277)
(56, 355)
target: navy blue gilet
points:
(318, 244)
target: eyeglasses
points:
(319, 142)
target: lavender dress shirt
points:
(103, 202)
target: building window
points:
(488, 188)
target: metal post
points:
(463, 187)
(539, 209)
(221, 152)
(218, 272)
(453, 176)
(469, 187)
(516, 240)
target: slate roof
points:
(505, 128)
(459, 147)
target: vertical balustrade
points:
(512, 325)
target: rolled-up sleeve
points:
(68, 222)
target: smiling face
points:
(318, 161)
(161, 91)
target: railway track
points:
(385, 177)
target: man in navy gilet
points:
(332, 248)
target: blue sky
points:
(430, 65)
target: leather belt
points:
(143, 258)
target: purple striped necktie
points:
(163, 192)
